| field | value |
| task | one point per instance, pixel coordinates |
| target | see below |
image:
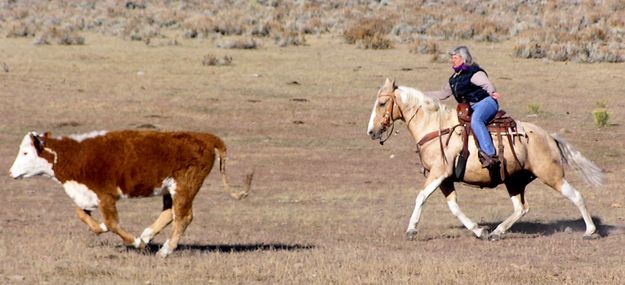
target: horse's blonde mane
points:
(413, 98)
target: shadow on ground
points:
(550, 228)
(234, 248)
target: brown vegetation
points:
(585, 31)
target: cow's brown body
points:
(136, 162)
(127, 164)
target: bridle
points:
(387, 119)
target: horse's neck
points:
(425, 122)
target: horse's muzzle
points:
(376, 134)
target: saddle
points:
(500, 124)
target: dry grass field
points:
(329, 206)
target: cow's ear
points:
(38, 142)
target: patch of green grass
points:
(534, 109)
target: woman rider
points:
(470, 84)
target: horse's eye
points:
(382, 104)
(25, 153)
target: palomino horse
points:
(539, 154)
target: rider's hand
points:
(496, 95)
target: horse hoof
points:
(592, 236)
(411, 234)
(483, 233)
(494, 237)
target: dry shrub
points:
(529, 50)
(198, 26)
(368, 31)
(585, 31)
(60, 35)
(137, 30)
(424, 47)
(212, 60)
(489, 31)
(378, 41)
(19, 29)
(289, 38)
(240, 43)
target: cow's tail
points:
(221, 148)
(591, 173)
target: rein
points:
(438, 134)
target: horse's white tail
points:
(591, 173)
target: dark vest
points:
(464, 91)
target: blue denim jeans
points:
(483, 112)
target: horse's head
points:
(385, 111)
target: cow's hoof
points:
(165, 250)
(494, 237)
(410, 234)
(138, 244)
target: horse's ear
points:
(393, 84)
(387, 82)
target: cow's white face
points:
(28, 162)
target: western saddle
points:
(500, 124)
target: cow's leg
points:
(450, 193)
(85, 217)
(163, 220)
(430, 185)
(109, 214)
(182, 211)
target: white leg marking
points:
(577, 199)
(147, 235)
(103, 227)
(516, 215)
(137, 243)
(164, 251)
(455, 210)
(423, 195)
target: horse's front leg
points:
(431, 183)
(450, 193)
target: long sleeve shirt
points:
(479, 79)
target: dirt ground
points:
(329, 206)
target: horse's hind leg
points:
(557, 182)
(450, 193)
(568, 191)
(516, 190)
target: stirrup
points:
(487, 160)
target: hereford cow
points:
(99, 168)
